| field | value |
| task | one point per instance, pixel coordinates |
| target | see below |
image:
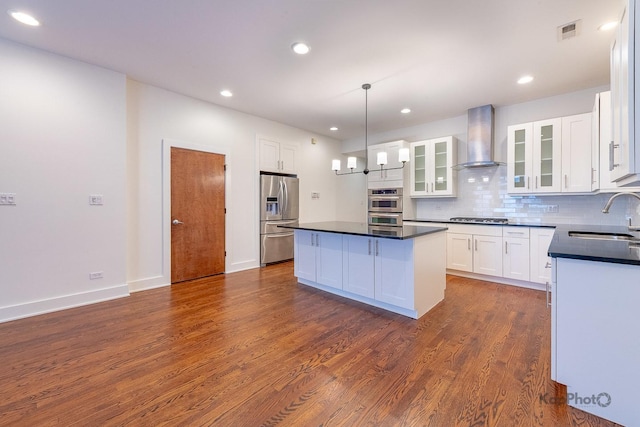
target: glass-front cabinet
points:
(432, 173)
(533, 157)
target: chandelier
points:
(381, 159)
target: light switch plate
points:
(96, 199)
(8, 199)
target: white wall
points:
(62, 138)
(155, 115)
(483, 192)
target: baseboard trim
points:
(34, 308)
(501, 280)
(148, 283)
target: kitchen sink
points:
(604, 236)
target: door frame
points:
(167, 144)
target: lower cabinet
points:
(595, 339)
(479, 251)
(319, 257)
(540, 263)
(379, 269)
(515, 258)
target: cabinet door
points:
(441, 154)
(595, 144)
(288, 158)
(516, 258)
(547, 137)
(392, 149)
(487, 255)
(305, 255)
(358, 265)
(519, 158)
(329, 259)
(622, 148)
(576, 153)
(269, 155)
(540, 266)
(459, 251)
(394, 272)
(418, 176)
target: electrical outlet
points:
(96, 275)
(552, 209)
(96, 199)
(7, 199)
(315, 195)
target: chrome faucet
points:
(606, 207)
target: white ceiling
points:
(437, 57)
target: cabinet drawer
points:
(480, 230)
(511, 231)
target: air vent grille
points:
(570, 30)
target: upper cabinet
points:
(384, 177)
(550, 156)
(432, 173)
(278, 157)
(623, 156)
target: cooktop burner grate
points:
(479, 220)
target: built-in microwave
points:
(385, 200)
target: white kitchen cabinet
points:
(432, 173)
(278, 157)
(623, 157)
(382, 178)
(358, 262)
(602, 137)
(515, 253)
(475, 248)
(318, 257)
(550, 156)
(596, 340)
(540, 263)
(379, 269)
(577, 172)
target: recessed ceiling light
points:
(608, 26)
(300, 48)
(405, 110)
(25, 18)
(333, 128)
(226, 93)
(525, 79)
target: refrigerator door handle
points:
(285, 198)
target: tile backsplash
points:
(483, 193)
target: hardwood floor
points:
(255, 348)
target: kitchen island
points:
(401, 270)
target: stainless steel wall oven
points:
(385, 207)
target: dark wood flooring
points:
(254, 348)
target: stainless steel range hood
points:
(480, 138)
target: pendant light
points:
(381, 160)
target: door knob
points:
(176, 222)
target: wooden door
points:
(197, 214)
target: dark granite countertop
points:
(511, 222)
(565, 246)
(362, 229)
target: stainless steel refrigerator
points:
(279, 196)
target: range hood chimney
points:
(480, 138)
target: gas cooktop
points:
(479, 220)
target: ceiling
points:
(437, 57)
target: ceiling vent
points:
(570, 30)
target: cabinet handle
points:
(432, 187)
(469, 243)
(506, 248)
(369, 246)
(548, 294)
(528, 181)
(377, 251)
(475, 243)
(536, 182)
(547, 265)
(612, 147)
(565, 181)
(593, 172)
(317, 239)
